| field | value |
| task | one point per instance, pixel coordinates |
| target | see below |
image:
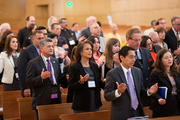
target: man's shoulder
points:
(136, 69)
(169, 32)
(23, 29)
(35, 60)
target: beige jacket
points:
(7, 64)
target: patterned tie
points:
(50, 70)
(134, 100)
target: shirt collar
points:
(125, 70)
(174, 31)
(45, 58)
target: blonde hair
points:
(50, 22)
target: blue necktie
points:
(134, 100)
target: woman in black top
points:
(165, 73)
(85, 80)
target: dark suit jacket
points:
(171, 40)
(81, 92)
(146, 66)
(69, 35)
(25, 56)
(41, 89)
(24, 38)
(121, 106)
(86, 32)
(169, 107)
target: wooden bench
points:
(10, 105)
(148, 112)
(100, 115)
(63, 98)
(1, 96)
(106, 105)
(25, 108)
(166, 118)
(52, 112)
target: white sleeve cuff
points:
(148, 93)
(117, 94)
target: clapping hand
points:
(153, 89)
(45, 74)
(121, 87)
(83, 79)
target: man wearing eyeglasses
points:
(173, 37)
(143, 58)
(26, 55)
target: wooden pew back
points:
(100, 115)
(1, 97)
(25, 108)
(52, 112)
(106, 105)
(10, 105)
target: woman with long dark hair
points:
(8, 63)
(85, 80)
(166, 74)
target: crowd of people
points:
(42, 61)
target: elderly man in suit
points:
(125, 89)
(43, 76)
(26, 55)
(144, 60)
(173, 37)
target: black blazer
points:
(81, 92)
(163, 81)
(121, 106)
(147, 62)
(41, 89)
(171, 40)
(25, 56)
(24, 38)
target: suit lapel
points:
(42, 64)
(34, 51)
(135, 79)
(11, 60)
(53, 62)
(123, 78)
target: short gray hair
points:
(44, 41)
(174, 18)
(90, 18)
(5, 25)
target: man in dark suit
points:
(26, 55)
(68, 34)
(144, 60)
(173, 36)
(23, 33)
(43, 76)
(125, 89)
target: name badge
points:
(17, 76)
(72, 42)
(91, 84)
